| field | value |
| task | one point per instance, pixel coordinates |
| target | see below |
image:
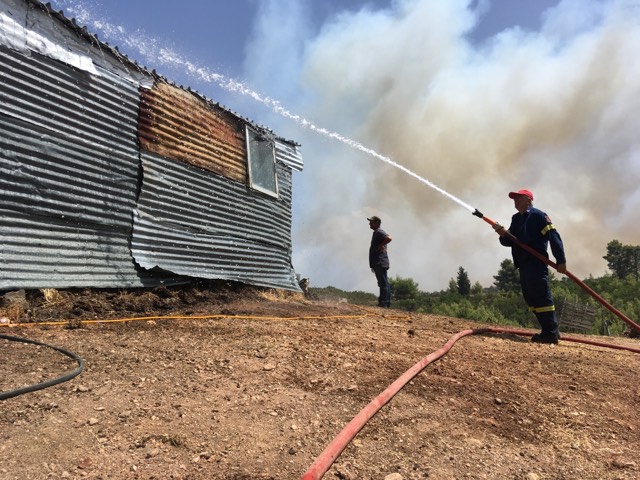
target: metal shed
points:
(112, 177)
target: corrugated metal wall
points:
(71, 169)
(68, 175)
(205, 222)
(289, 155)
(192, 222)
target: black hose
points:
(48, 383)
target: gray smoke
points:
(554, 110)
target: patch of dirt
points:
(253, 384)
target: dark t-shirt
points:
(377, 257)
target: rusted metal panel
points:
(192, 222)
(175, 124)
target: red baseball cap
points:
(526, 193)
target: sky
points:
(419, 112)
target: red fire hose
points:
(324, 461)
(583, 285)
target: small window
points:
(262, 163)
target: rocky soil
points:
(251, 384)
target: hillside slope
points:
(252, 393)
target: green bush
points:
(502, 304)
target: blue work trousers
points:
(534, 280)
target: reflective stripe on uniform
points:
(546, 229)
(547, 308)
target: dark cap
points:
(526, 193)
(374, 219)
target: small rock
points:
(84, 463)
(93, 421)
(498, 401)
(268, 367)
(474, 442)
(624, 464)
(343, 474)
(393, 476)
(154, 452)
(532, 476)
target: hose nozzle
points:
(479, 214)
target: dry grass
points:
(51, 295)
(279, 295)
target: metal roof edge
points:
(83, 32)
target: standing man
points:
(533, 227)
(379, 260)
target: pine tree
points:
(623, 260)
(404, 288)
(463, 283)
(507, 279)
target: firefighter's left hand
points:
(562, 267)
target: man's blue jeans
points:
(384, 300)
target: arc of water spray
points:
(149, 49)
(275, 106)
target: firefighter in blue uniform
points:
(533, 227)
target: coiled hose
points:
(48, 383)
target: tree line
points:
(502, 302)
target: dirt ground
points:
(254, 384)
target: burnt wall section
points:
(178, 125)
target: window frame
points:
(257, 159)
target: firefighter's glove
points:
(500, 230)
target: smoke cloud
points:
(555, 110)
